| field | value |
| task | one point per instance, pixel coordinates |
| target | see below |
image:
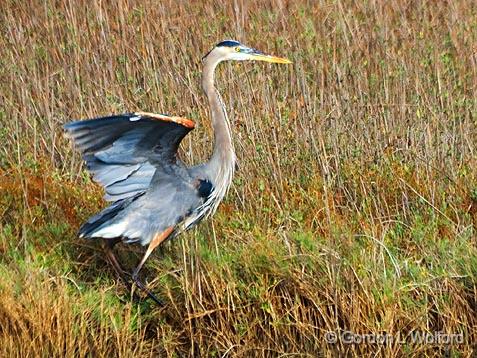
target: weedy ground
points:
(354, 207)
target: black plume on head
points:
(228, 43)
(225, 43)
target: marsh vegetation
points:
(354, 206)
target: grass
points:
(354, 207)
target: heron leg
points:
(108, 245)
(156, 241)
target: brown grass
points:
(354, 206)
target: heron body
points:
(133, 156)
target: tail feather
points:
(98, 221)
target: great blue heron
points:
(134, 156)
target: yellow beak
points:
(268, 58)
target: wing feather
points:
(124, 152)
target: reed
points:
(354, 207)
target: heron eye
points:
(237, 49)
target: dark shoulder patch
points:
(228, 43)
(204, 188)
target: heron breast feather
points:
(204, 188)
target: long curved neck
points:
(222, 161)
(220, 168)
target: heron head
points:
(231, 50)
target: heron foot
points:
(143, 287)
(128, 278)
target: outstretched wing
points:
(124, 151)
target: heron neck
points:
(222, 162)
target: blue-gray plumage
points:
(134, 157)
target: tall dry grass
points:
(355, 202)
